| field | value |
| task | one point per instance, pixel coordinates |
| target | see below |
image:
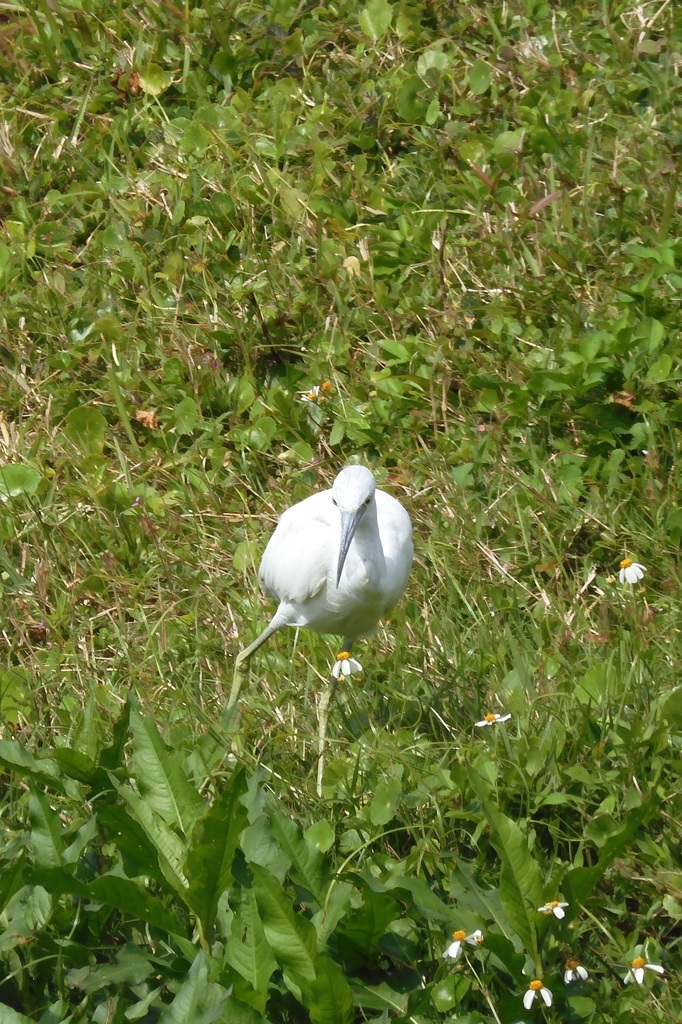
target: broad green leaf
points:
(580, 882)
(376, 18)
(308, 865)
(113, 756)
(431, 65)
(131, 966)
(198, 1001)
(246, 394)
(336, 906)
(211, 850)
(170, 848)
(480, 76)
(160, 777)
(86, 427)
(363, 929)
(10, 1016)
(130, 898)
(185, 416)
(18, 759)
(140, 1009)
(154, 80)
(433, 111)
(293, 202)
(592, 686)
(660, 370)
(11, 879)
(337, 433)
(291, 936)
(469, 896)
(321, 835)
(17, 479)
(329, 999)
(45, 836)
(409, 100)
(139, 855)
(127, 896)
(521, 891)
(583, 1007)
(85, 738)
(510, 142)
(463, 475)
(429, 905)
(259, 847)
(248, 952)
(261, 433)
(383, 997)
(79, 842)
(671, 706)
(503, 948)
(195, 140)
(76, 765)
(385, 801)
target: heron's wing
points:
(395, 529)
(297, 559)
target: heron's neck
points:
(367, 536)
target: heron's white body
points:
(301, 560)
(338, 562)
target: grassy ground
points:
(462, 216)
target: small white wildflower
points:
(637, 969)
(460, 936)
(310, 396)
(533, 989)
(492, 719)
(345, 665)
(573, 971)
(553, 907)
(631, 572)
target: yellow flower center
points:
(571, 964)
(626, 563)
(639, 961)
(490, 718)
(326, 386)
(459, 935)
(535, 985)
(342, 656)
(312, 395)
(552, 904)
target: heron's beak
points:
(349, 524)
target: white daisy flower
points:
(637, 969)
(553, 907)
(492, 720)
(533, 989)
(460, 936)
(573, 971)
(310, 396)
(345, 665)
(631, 572)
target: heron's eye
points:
(367, 501)
(333, 501)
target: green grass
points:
(464, 217)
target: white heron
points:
(338, 562)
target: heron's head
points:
(352, 493)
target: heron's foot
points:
(345, 665)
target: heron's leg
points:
(323, 721)
(241, 662)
